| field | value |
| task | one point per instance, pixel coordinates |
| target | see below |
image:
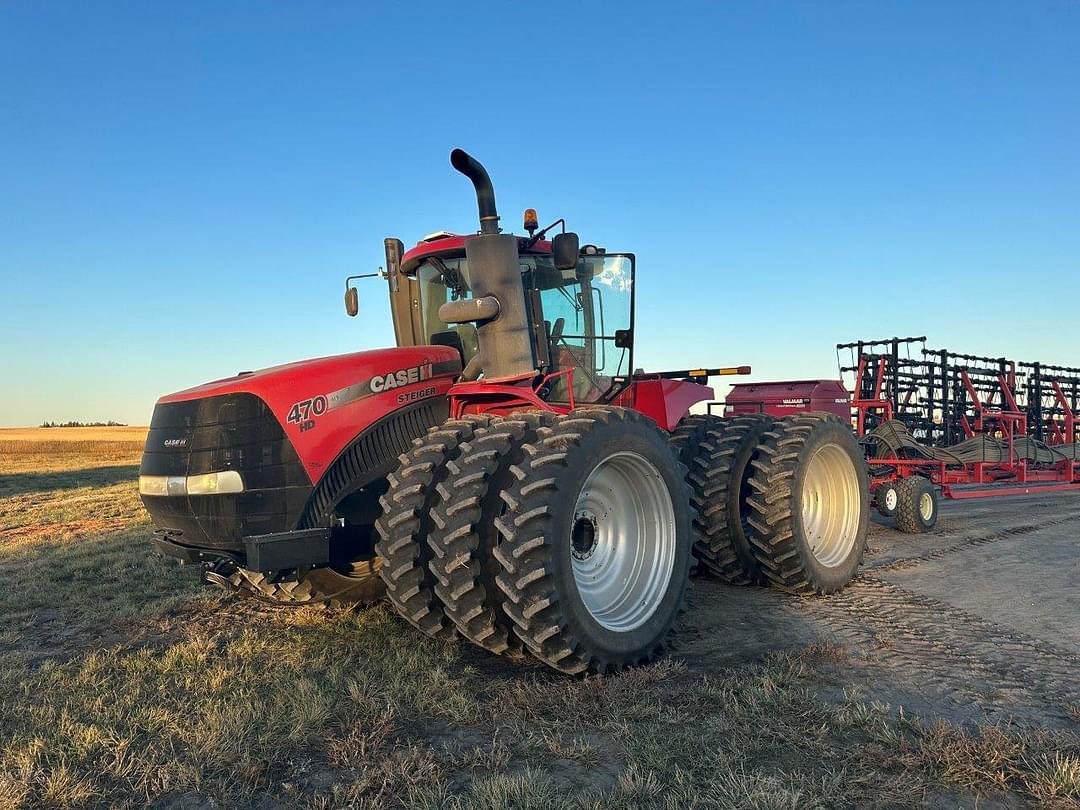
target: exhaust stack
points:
(485, 193)
(502, 325)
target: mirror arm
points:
(362, 275)
(536, 237)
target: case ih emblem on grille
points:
(175, 442)
(396, 379)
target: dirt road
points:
(978, 621)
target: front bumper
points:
(304, 548)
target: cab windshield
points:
(580, 311)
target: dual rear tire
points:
(810, 507)
(717, 453)
(783, 501)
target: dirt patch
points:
(975, 622)
(72, 527)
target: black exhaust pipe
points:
(503, 333)
(485, 193)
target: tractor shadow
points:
(23, 483)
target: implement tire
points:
(464, 535)
(916, 505)
(596, 541)
(811, 504)
(887, 498)
(406, 522)
(717, 453)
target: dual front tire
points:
(564, 537)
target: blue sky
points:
(184, 186)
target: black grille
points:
(228, 432)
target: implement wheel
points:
(717, 452)
(406, 521)
(464, 534)
(917, 505)
(811, 504)
(887, 498)
(596, 541)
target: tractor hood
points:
(320, 405)
(339, 367)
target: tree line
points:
(84, 424)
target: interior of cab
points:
(581, 310)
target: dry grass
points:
(123, 684)
(66, 452)
(38, 435)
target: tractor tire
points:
(464, 537)
(810, 509)
(596, 541)
(917, 505)
(717, 453)
(317, 586)
(405, 523)
(886, 499)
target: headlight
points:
(154, 484)
(217, 483)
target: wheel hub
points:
(891, 499)
(622, 541)
(831, 503)
(926, 506)
(583, 537)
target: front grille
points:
(229, 432)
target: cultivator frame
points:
(1052, 394)
(979, 426)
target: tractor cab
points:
(580, 317)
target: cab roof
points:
(453, 245)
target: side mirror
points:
(624, 339)
(565, 250)
(352, 301)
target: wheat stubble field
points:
(125, 682)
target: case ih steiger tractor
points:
(503, 473)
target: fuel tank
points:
(266, 451)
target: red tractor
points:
(504, 473)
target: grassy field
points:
(124, 682)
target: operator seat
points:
(564, 356)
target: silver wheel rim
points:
(926, 506)
(831, 504)
(622, 541)
(891, 499)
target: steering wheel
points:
(557, 330)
